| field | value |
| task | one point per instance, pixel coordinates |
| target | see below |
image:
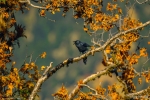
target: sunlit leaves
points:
(143, 52)
(80, 82)
(42, 13)
(100, 90)
(129, 23)
(147, 76)
(112, 92)
(140, 81)
(43, 55)
(62, 93)
(108, 49)
(42, 67)
(111, 7)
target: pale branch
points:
(39, 82)
(141, 2)
(90, 78)
(137, 73)
(29, 2)
(95, 43)
(105, 55)
(91, 89)
(23, 1)
(124, 84)
(142, 92)
(96, 93)
(91, 52)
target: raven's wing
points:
(86, 45)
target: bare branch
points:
(92, 89)
(90, 78)
(32, 4)
(39, 82)
(145, 91)
(89, 88)
(141, 2)
(124, 84)
(95, 43)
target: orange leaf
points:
(43, 55)
(107, 50)
(80, 82)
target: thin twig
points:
(88, 88)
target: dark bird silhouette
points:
(82, 47)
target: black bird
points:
(82, 47)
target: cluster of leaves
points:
(89, 10)
(20, 82)
(15, 82)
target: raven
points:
(82, 47)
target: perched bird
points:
(82, 47)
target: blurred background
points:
(56, 39)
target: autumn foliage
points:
(99, 16)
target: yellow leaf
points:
(43, 55)
(42, 67)
(9, 93)
(10, 86)
(139, 80)
(143, 52)
(107, 50)
(30, 84)
(114, 6)
(119, 10)
(53, 12)
(85, 29)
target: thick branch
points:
(145, 92)
(90, 78)
(29, 2)
(39, 82)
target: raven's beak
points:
(74, 42)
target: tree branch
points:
(39, 82)
(32, 4)
(141, 2)
(145, 91)
(96, 93)
(90, 78)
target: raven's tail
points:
(85, 60)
